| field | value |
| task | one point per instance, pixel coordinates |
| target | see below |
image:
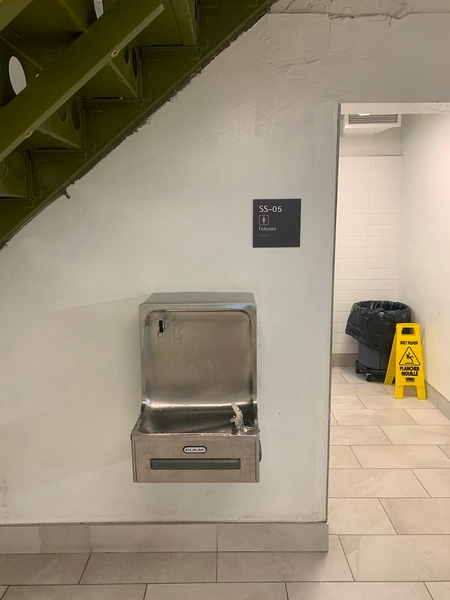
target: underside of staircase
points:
(78, 76)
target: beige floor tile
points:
(77, 592)
(343, 457)
(272, 537)
(332, 420)
(358, 516)
(401, 457)
(419, 515)
(41, 569)
(439, 590)
(372, 417)
(52, 539)
(409, 392)
(446, 449)
(218, 591)
(398, 557)
(172, 567)
(337, 378)
(419, 434)
(357, 591)
(355, 389)
(358, 435)
(427, 417)
(154, 538)
(2, 590)
(374, 483)
(285, 566)
(435, 481)
(352, 377)
(346, 403)
(388, 402)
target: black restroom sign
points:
(276, 223)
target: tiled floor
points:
(389, 515)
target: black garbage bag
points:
(372, 322)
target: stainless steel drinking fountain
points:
(198, 420)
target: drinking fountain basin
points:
(198, 419)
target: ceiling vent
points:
(366, 124)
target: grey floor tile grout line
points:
(346, 559)
(84, 569)
(428, 590)
(380, 500)
(145, 591)
(354, 454)
(429, 495)
(180, 583)
(6, 589)
(286, 589)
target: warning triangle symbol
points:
(409, 358)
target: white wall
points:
(425, 240)
(367, 237)
(171, 209)
(386, 143)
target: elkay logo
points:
(194, 449)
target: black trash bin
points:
(372, 323)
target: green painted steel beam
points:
(81, 61)
(186, 19)
(9, 9)
(165, 70)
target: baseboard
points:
(438, 400)
(162, 537)
(343, 360)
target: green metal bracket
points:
(14, 176)
(85, 57)
(9, 9)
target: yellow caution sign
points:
(406, 361)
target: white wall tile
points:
(388, 274)
(350, 252)
(384, 174)
(343, 307)
(384, 229)
(386, 185)
(391, 196)
(384, 207)
(382, 240)
(353, 195)
(353, 219)
(367, 237)
(353, 230)
(349, 347)
(386, 162)
(383, 252)
(389, 295)
(355, 162)
(381, 263)
(341, 316)
(349, 285)
(344, 296)
(339, 326)
(351, 242)
(385, 219)
(357, 185)
(350, 263)
(351, 274)
(379, 285)
(340, 337)
(355, 174)
(353, 208)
